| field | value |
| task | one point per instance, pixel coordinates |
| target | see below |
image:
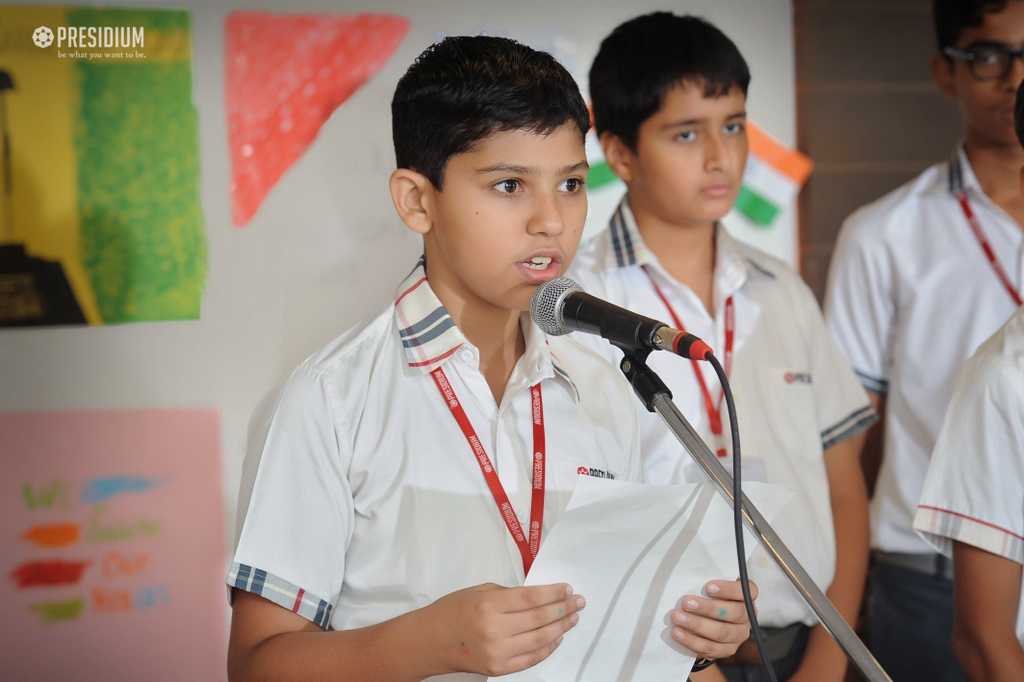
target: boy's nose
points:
(1015, 74)
(714, 152)
(547, 217)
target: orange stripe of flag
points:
(789, 162)
(58, 535)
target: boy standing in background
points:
(669, 96)
(972, 505)
(918, 280)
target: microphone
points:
(560, 306)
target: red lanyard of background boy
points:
(714, 409)
(527, 548)
(993, 261)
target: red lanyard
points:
(996, 265)
(714, 411)
(528, 548)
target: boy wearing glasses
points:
(919, 280)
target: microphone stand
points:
(656, 397)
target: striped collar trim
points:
(626, 247)
(429, 335)
(960, 176)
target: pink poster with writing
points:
(111, 546)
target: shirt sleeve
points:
(859, 307)
(295, 504)
(844, 408)
(974, 490)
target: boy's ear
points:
(942, 72)
(411, 193)
(619, 156)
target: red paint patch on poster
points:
(48, 573)
(286, 74)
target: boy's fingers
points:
(534, 596)
(713, 647)
(532, 658)
(718, 609)
(539, 638)
(542, 616)
(729, 589)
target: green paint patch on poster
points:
(143, 242)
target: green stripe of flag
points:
(756, 207)
(600, 175)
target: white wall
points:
(326, 248)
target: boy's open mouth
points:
(538, 263)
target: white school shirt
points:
(361, 499)
(974, 490)
(783, 360)
(910, 296)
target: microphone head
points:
(546, 304)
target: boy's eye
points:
(687, 136)
(572, 185)
(734, 128)
(507, 186)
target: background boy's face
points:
(510, 217)
(987, 106)
(689, 158)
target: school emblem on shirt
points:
(599, 473)
(797, 378)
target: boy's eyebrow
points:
(582, 165)
(695, 121)
(528, 170)
(507, 168)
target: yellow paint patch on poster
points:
(45, 215)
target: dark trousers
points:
(910, 625)
(784, 667)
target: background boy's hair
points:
(953, 16)
(645, 57)
(463, 89)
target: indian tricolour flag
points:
(773, 177)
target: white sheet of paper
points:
(634, 551)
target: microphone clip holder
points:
(645, 381)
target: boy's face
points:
(987, 106)
(510, 217)
(689, 158)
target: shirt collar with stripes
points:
(626, 249)
(430, 337)
(961, 176)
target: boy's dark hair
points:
(463, 89)
(953, 16)
(645, 57)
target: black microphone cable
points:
(737, 506)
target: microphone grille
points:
(546, 304)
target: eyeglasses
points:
(986, 62)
